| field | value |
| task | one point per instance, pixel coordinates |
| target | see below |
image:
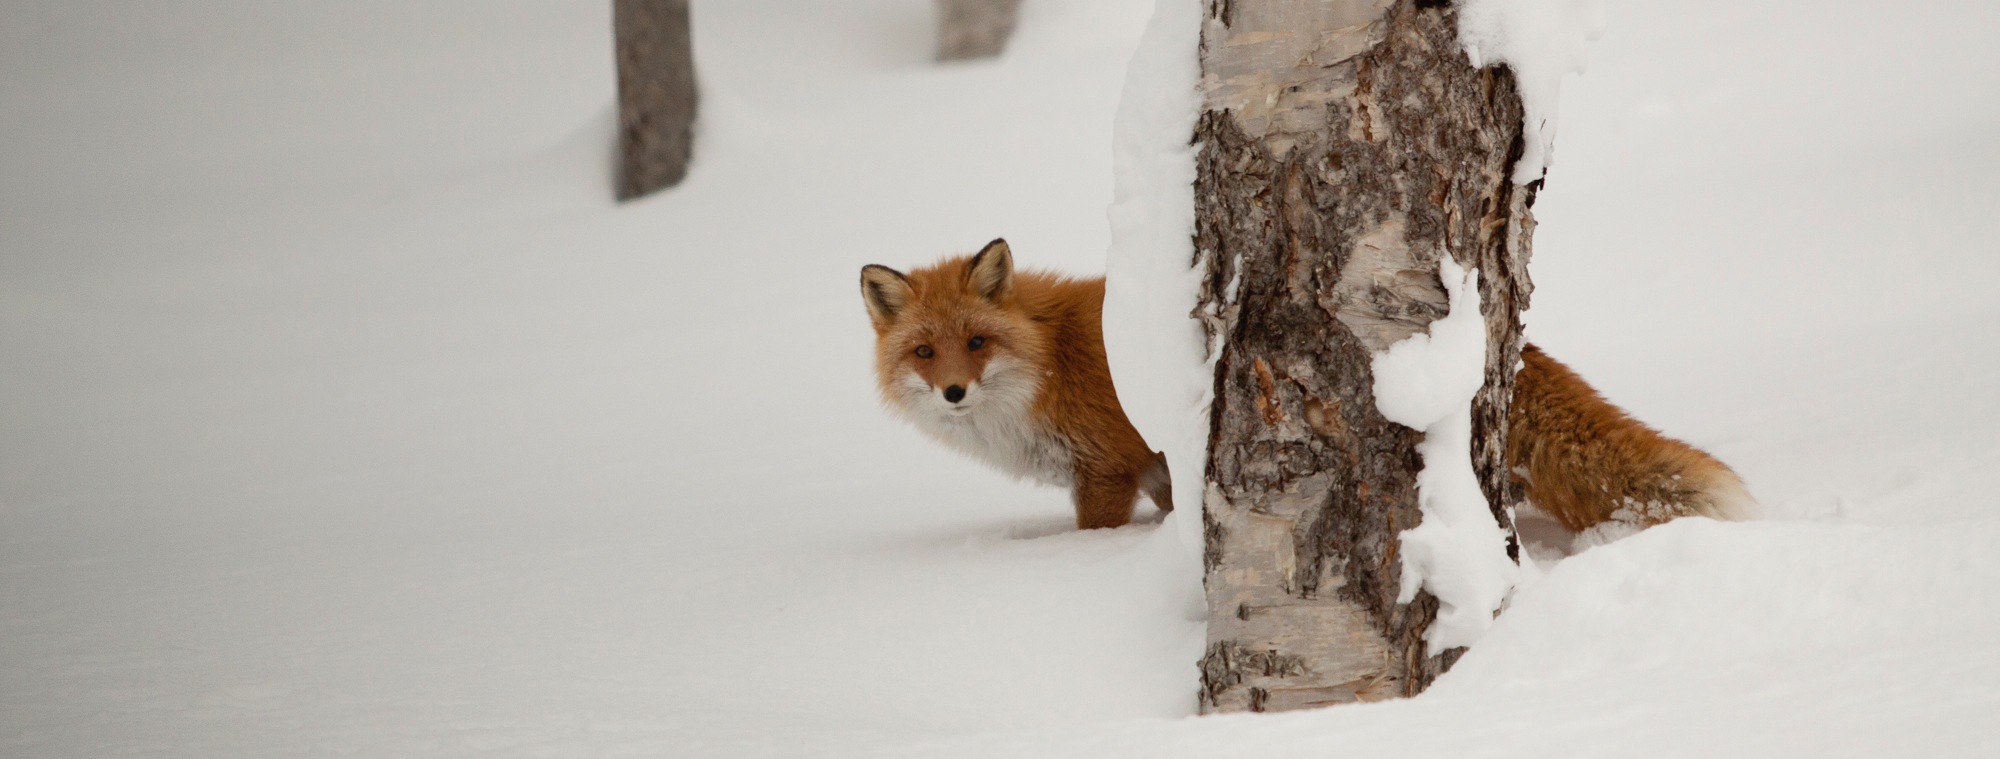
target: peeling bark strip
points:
(656, 94)
(1345, 146)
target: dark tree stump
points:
(656, 94)
(970, 29)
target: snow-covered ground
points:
(341, 413)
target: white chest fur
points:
(1000, 429)
(1010, 442)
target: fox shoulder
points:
(1585, 461)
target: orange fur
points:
(1039, 402)
(1037, 394)
(1585, 462)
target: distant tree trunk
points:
(974, 28)
(1346, 145)
(656, 94)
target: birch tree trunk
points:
(974, 28)
(1346, 146)
(656, 94)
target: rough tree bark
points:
(656, 94)
(974, 28)
(1345, 146)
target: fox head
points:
(950, 339)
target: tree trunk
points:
(656, 94)
(974, 28)
(1346, 145)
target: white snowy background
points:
(343, 414)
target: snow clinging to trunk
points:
(1541, 40)
(1158, 357)
(1458, 552)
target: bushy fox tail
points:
(1586, 462)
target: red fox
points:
(1010, 369)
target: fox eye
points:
(974, 343)
(924, 351)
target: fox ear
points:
(886, 291)
(992, 271)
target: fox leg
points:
(1158, 483)
(1104, 500)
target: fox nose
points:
(954, 393)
